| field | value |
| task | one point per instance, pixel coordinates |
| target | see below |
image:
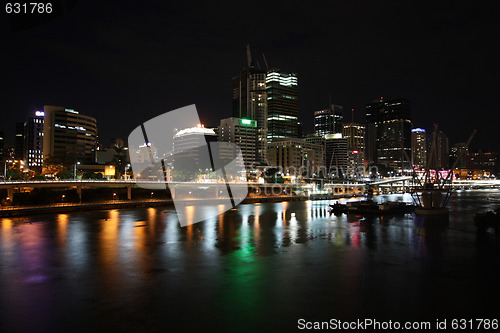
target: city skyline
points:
(249, 167)
(107, 78)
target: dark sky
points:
(125, 62)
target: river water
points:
(259, 268)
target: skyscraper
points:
(442, 151)
(33, 140)
(328, 121)
(389, 132)
(242, 132)
(419, 148)
(190, 147)
(355, 136)
(250, 102)
(282, 105)
(458, 154)
(68, 136)
(336, 155)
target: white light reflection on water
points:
(134, 262)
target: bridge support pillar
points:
(129, 192)
(172, 191)
(10, 194)
(79, 191)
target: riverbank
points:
(7, 211)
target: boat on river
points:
(371, 207)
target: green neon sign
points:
(248, 122)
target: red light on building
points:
(355, 151)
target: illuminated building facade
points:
(282, 105)
(355, 136)
(242, 132)
(336, 155)
(250, 102)
(190, 147)
(68, 136)
(294, 156)
(33, 140)
(419, 148)
(316, 139)
(458, 154)
(483, 161)
(328, 121)
(389, 132)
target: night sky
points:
(124, 62)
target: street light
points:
(74, 170)
(114, 196)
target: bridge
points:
(183, 188)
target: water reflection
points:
(240, 263)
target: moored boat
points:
(371, 207)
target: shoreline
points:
(62, 208)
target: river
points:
(261, 267)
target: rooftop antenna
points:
(249, 55)
(265, 61)
(352, 111)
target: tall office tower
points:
(19, 142)
(295, 156)
(328, 121)
(355, 135)
(282, 105)
(250, 102)
(458, 152)
(442, 151)
(242, 132)
(336, 155)
(389, 132)
(2, 147)
(440, 156)
(190, 148)
(419, 148)
(33, 140)
(68, 136)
